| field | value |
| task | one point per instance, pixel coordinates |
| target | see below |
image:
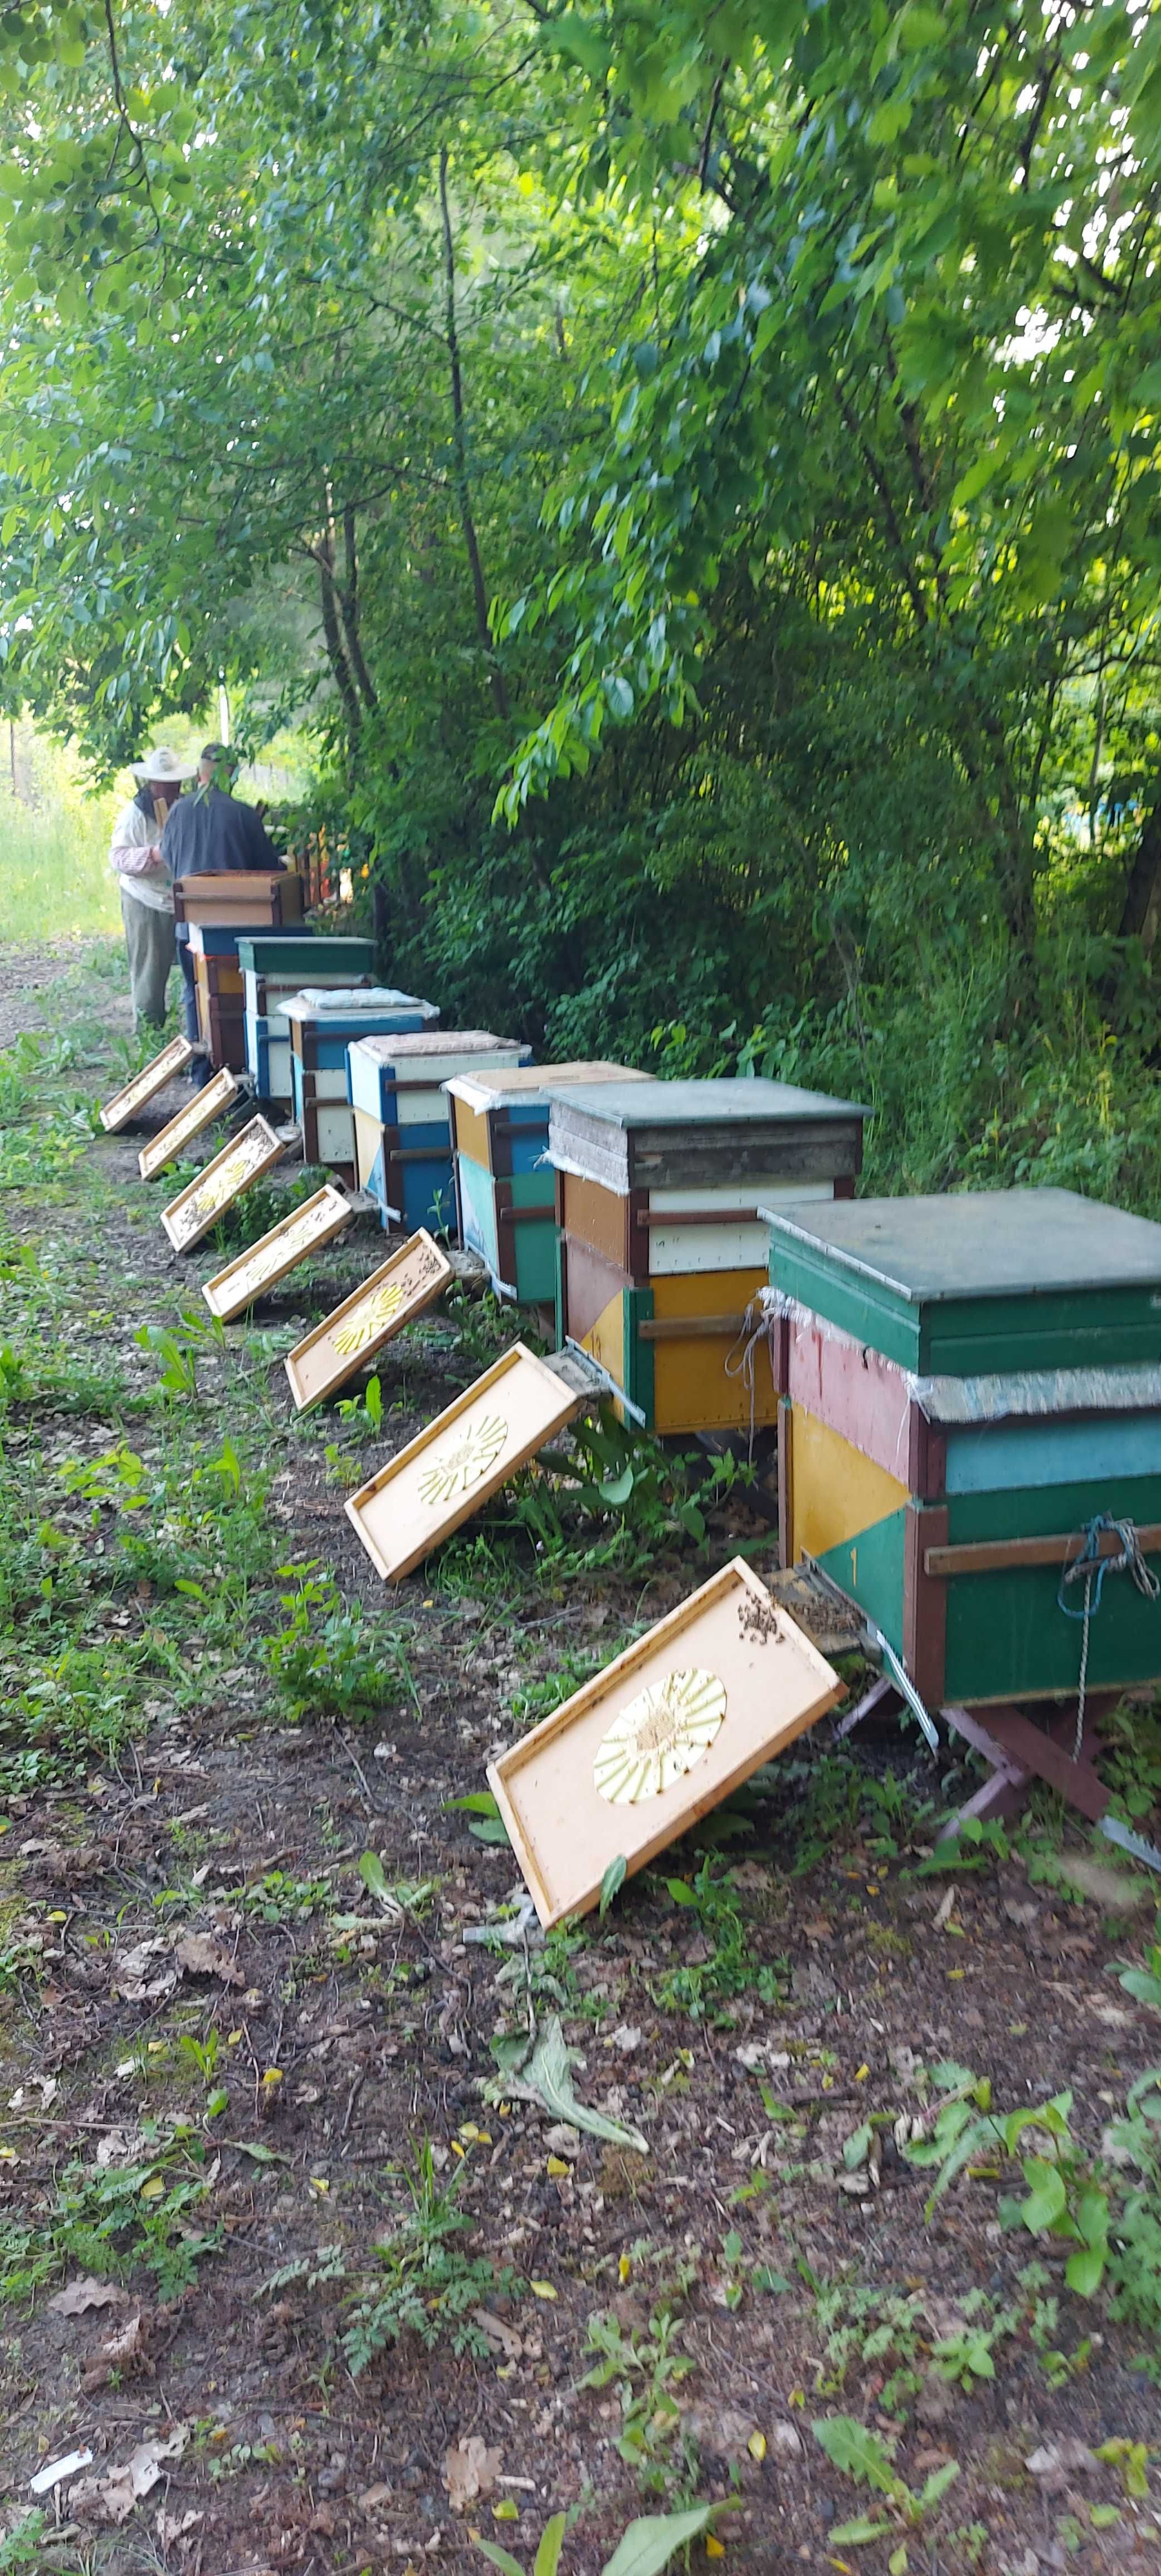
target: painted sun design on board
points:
(464, 1461)
(223, 1184)
(282, 1249)
(659, 1736)
(373, 1317)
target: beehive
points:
(505, 1186)
(965, 1383)
(239, 898)
(273, 966)
(403, 1129)
(660, 1245)
(324, 1022)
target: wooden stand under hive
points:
(968, 1386)
(505, 1185)
(403, 1142)
(661, 1248)
(323, 1024)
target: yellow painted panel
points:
(471, 1131)
(836, 1491)
(691, 1391)
(368, 1145)
(605, 1340)
(707, 1292)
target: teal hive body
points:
(966, 1383)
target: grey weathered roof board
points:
(991, 1243)
(687, 1135)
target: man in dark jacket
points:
(214, 833)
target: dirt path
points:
(233, 2068)
(26, 980)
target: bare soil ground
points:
(747, 2036)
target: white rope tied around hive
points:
(1090, 1568)
(740, 1359)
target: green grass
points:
(55, 881)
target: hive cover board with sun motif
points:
(346, 1340)
(307, 1228)
(660, 1737)
(441, 1478)
(152, 1078)
(196, 1208)
(206, 1105)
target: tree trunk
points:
(1141, 901)
(336, 656)
(460, 449)
(349, 604)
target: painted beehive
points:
(239, 898)
(965, 1384)
(273, 966)
(268, 1048)
(505, 1186)
(324, 1022)
(397, 1083)
(660, 1245)
(220, 1008)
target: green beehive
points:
(966, 1383)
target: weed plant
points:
(428, 2286)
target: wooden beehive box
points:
(505, 1187)
(253, 1273)
(196, 1113)
(966, 1382)
(661, 1247)
(398, 1082)
(666, 1346)
(346, 961)
(196, 1208)
(239, 898)
(324, 1021)
(348, 1340)
(440, 1479)
(664, 1734)
(128, 1103)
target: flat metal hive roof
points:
(730, 1102)
(977, 1243)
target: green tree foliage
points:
(695, 469)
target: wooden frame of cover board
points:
(153, 1077)
(459, 1461)
(196, 1208)
(206, 1105)
(400, 1289)
(315, 1222)
(662, 1735)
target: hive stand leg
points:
(883, 1689)
(1004, 1792)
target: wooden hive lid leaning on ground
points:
(686, 1135)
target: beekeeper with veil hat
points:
(145, 881)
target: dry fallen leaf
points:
(201, 1954)
(470, 2469)
(171, 2527)
(502, 2337)
(112, 2499)
(1054, 2463)
(140, 1976)
(84, 2293)
(373, 2497)
(125, 2345)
